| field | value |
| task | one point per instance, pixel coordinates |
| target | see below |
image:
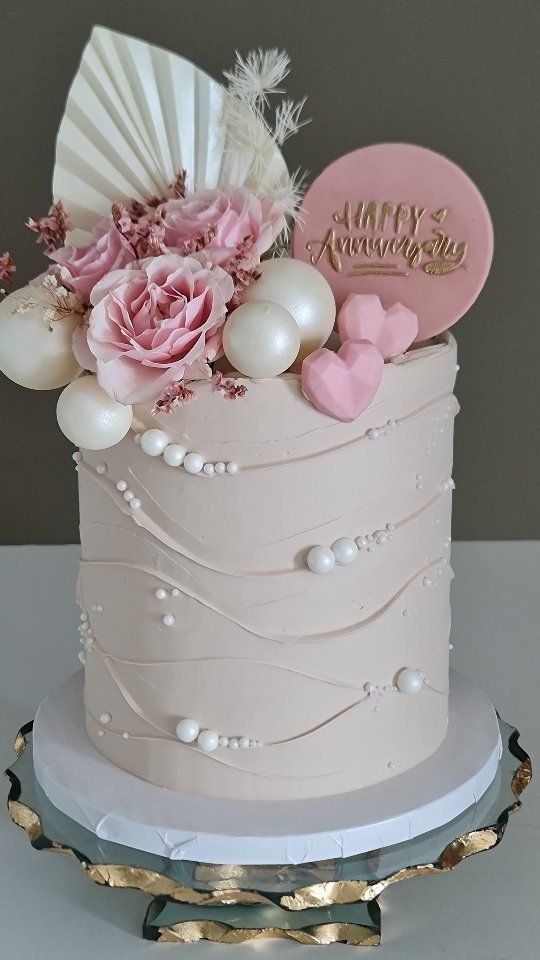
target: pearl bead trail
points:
(345, 550)
(189, 731)
(153, 442)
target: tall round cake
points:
(201, 613)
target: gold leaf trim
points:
(149, 881)
(19, 744)
(522, 777)
(24, 817)
(190, 931)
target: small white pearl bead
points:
(371, 548)
(121, 486)
(82, 657)
(175, 592)
(168, 619)
(391, 764)
(187, 730)
(362, 542)
(128, 495)
(426, 582)
(381, 539)
(409, 681)
(135, 503)
(406, 613)
(161, 594)
(101, 468)
(99, 608)
(224, 741)
(232, 467)
(375, 433)
(208, 469)
(254, 743)
(193, 463)
(77, 456)
(370, 687)
(345, 551)
(174, 454)
(243, 743)
(153, 442)
(208, 740)
(125, 735)
(233, 743)
(392, 424)
(220, 467)
(84, 616)
(321, 560)
(105, 718)
(101, 733)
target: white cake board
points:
(118, 807)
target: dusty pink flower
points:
(82, 267)
(173, 396)
(157, 323)
(228, 218)
(7, 268)
(51, 230)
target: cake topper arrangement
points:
(169, 261)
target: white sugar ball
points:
(135, 503)
(128, 496)
(220, 467)
(345, 551)
(208, 740)
(209, 469)
(321, 560)
(243, 742)
(89, 417)
(232, 467)
(34, 352)
(121, 486)
(174, 454)
(187, 730)
(168, 620)
(409, 681)
(261, 339)
(304, 292)
(161, 593)
(193, 462)
(153, 442)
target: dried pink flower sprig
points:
(51, 230)
(7, 268)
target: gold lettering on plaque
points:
(365, 222)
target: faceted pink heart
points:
(343, 384)
(362, 317)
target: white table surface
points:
(486, 909)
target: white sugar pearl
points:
(161, 594)
(121, 486)
(77, 456)
(406, 613)
(175, 592)
(409, 681)
(193, 462)
(101, 733)
(168, 619)
(208, 469)
(362, 542)
(101, 468)
(321, 560)
(174, 454)
(243, 742)
(232, 467)
(390, 526)
(233, 743)
(105, 718)
(187, 730)
(208, 740)
(82, 657)
(224, 741)
(153, 442)
(135, 503)
(128, 495)
(99, 608)
(220, 467)
(370, 687)
(125, 735)
(381, 538)
(345, 551)
(426, 582)
(254, 743)
(84, 616)
(391, 765)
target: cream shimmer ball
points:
(304, 292)
(34, 353)
(261, 339)
(89, 417)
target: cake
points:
(264, 431)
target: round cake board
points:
(118, 807)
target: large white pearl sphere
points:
(154, 442)
(321, 560)
(193, 463)
(345, 551)
(304, 292)
(261, 339)
(89, 417)
(208, 740)
(32, 353)
(173, 454)
(187, 730)
(409, 681)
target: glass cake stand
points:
(316, 903)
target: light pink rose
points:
(157, 323)
(236, 215)
(82, 267)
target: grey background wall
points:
(461, 78)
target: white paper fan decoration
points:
(135, 116)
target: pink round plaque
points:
(402, 222)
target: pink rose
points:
(243, 224)
(155, 324)
(82, 267)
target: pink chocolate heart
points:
(362, 317)
(343, 384)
